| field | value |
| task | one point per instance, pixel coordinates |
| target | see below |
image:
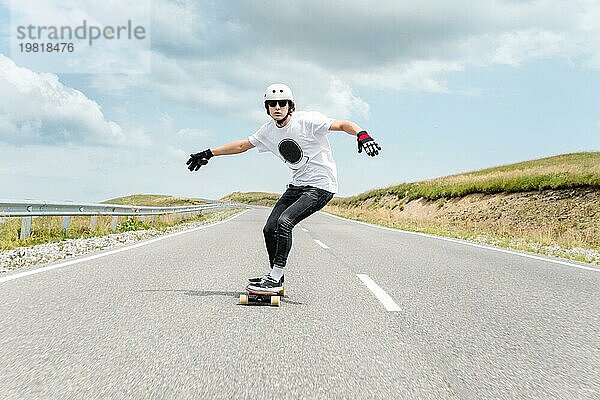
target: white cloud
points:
(341, 95)
(104, 56)
(176, 154)
(192, 133)
(231, 87)
(87, 173)
(513, 48)
(177, 26)
(413, 76)
(339, 102)
(38, 108)
(218, 59)
(171, 142)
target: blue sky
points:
(444, 86)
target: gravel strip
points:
(589, 256)
(49, 252)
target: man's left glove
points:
(199, 159)
(365, 141)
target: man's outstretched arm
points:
(239, 146)
(364, 140)
(346, 126)
(199, 159)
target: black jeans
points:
(297, 203)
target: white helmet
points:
(278, 91)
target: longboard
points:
(254, 296)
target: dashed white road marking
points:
(108, 253)
(516, 253)
(381, 295)
(323, 245)
(304, 230)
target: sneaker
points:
(267, 284)
(257, 279)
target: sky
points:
(443, 86)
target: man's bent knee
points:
(285, 223)
(269, 230)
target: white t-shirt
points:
(303, 146)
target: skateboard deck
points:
(266, 297)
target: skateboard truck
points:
(255, 296)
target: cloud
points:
(357, 34)
(116, 55)
(514, 48)
(219, 58)
(413, 76)
(340, 102)
(231, 87)
(172, 141)
(354, 35)
(192, 133)
(177, 27)
(38, 108)
(74, 171)
(341, 95)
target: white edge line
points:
(323, 245)
(468, 244)
(381, 295)
(110, 252)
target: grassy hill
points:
(576, 170)
(154, 200)
(255, 198)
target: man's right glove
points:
(199, 159)
(365, 141)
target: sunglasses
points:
(273, 103)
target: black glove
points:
(199, 159)
(365, 141)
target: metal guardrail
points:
(36, 208)
(43, 208)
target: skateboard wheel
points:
(275, 301)
(244, 299)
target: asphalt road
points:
(161, 321)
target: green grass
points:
(576, 170)
(516, 242)
(154, 200)
(254, 198)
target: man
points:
(299, 139)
